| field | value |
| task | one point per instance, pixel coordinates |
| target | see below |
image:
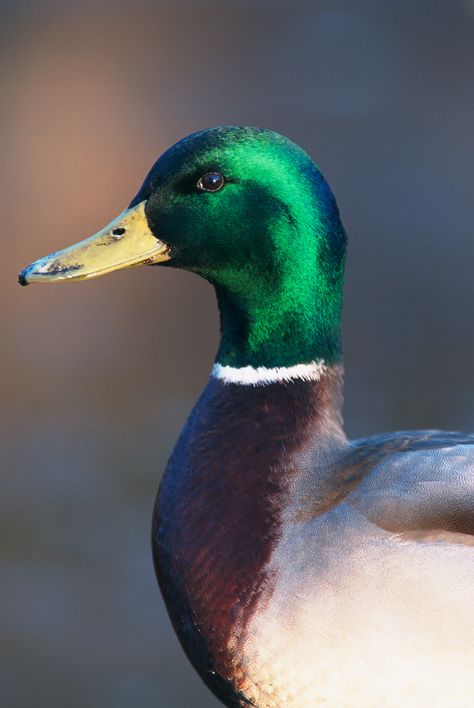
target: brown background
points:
(97, 378)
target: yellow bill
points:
(124, 243)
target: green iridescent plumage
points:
(271, 242)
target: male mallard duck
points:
(299, 569)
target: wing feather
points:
(419, 484)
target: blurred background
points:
(98, 378)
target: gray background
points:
(97, 378)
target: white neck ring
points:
(261, 375)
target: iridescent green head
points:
(249, 211)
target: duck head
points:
(248, 210)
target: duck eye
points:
(211, 182)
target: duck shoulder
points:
(419, 484)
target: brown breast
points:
(218, 514)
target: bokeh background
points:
(97, 378)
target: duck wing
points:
(419, 484)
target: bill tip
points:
(22, 278)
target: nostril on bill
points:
(118, 233)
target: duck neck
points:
(298, 326)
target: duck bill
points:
(126, 242)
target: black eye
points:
(211, 182)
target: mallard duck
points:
(299, 569)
